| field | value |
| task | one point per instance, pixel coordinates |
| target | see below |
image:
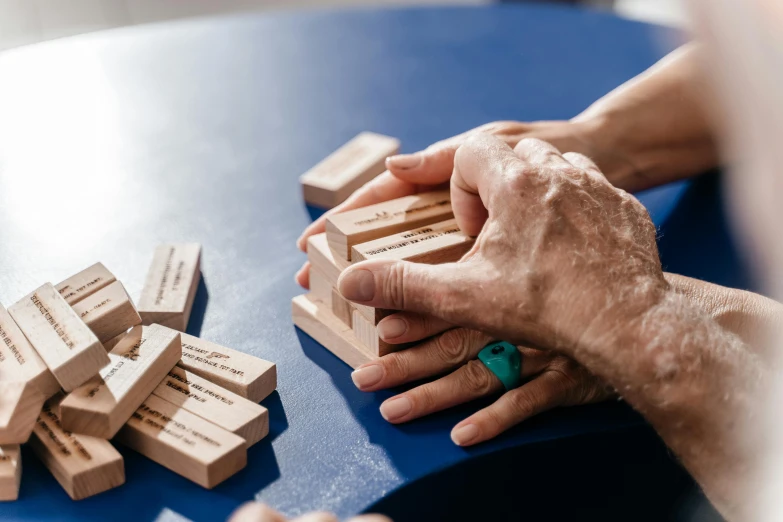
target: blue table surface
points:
(197, 131)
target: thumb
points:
(438, 290)
(430, 166)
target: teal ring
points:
(504, 360)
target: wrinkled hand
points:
(256, 512)
(552, 381)
(431, 168)
(563, 260)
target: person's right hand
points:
(431, 168)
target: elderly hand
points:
(552, 380)
(256, 512)
(563, 259)
(431, 168)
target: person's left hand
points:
(552, 380)
(257, 512)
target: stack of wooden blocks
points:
(81, 365)
(419, 228)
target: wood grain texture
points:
(83, 465)
(114, 341)
(19, 361)
(108, 312)
(241, 373)
(184, 442)
(319, 322)
(20, 403)
(346, 229)
(10, 471)
(67, 346)
(322, 258)
(320, 286)
(170, 287)
(85, 283)
(341, 307)
(336, 177)
(433, 244)
(215, 404)
(138, 364)
(367, 333)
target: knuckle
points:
(521, 404)
(476, 378)
(394, 286)
(452, 346)
(396, 366)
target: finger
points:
(405, 327)
(478, 165)
(468, 382)
(383, 188)
(545, 392)
(303, 275)
(539, 152)
(370, 518)
(256, 512)
(586, 164)
(430, 166)
(442, 291)
(436, 356)
(317, 517)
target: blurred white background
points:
(29, 21)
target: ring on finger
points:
(504, 360)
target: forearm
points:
(654, 128)
(698, 385)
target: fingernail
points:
(392, 328)
(465, 434)
(396, 408)
(404, 161)
(367, 376)
(358, 285)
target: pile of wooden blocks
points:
(81, 365)
(418, 228)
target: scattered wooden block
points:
(215, 404)
(319, 322)
(184, 442)
(70, 349)
(138, 363)
(19, 361)
(10, 472)
(170, 288)
(432, 244)
(20, 403)
(243, 374)
(114, 341)
(339, 175)
(341, 307)
(320, 286)
(367, 333)
(323, 259)
(109, 312)
(85, 283)
(83, 465)
(346, 229)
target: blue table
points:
(113, 142)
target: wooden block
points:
(322, 258)
(170, 288)
(83, 465)
(215, 404)
(85, 283)
(138, 364)
(346, 229)
(433, 244)
(70, 349)
(10, 472)
(108, 312)
(114, 341)
(184, 442)
(341, 308)
(320, 286)
(243, 374)
(367, 333)
(339, 175)
(374, 315)
(19, 361)
(20, 403)
(317, 321)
